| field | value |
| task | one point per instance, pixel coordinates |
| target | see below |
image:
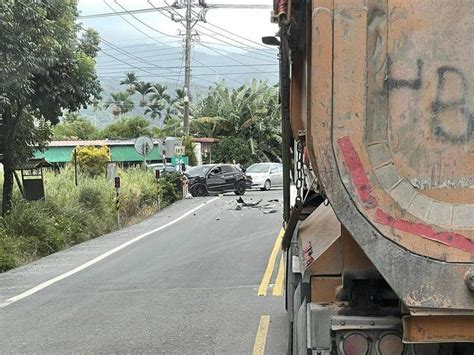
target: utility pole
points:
(187, 68)
(189, 21)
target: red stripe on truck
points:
(358, 174)
(454, 240)
(364, 189)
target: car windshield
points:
(258, 168)
(199, 170)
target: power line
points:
(225, 55)
(237, 35)
(267, 60)
(108, 64)
(115, 13)
(246, 48)
(213, 66)
(135, 27)
(204, 75)
(230, 39)
(142, 22)
(107, 43)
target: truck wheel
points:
(241, 188)
(198, 191)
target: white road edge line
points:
(52, 281)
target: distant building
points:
(121, 151)
(206, 148)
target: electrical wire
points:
(274, 61)
(238, 36)
(142, 22)
(226, 56)
(212, 74)
(107, 43)
(214, 66)
(263, 55)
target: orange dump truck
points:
(378, 121)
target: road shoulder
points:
(19, 280)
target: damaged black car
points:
(216, 178)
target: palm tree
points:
(121, 103)
(96, 107)
(159, 100)
(143, 88)
(130, 79)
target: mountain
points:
(162, 64)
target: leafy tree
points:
(229, 149)
(120, 102)
(75, 127)
(45, 68)
(93, 160)
(250, 112)
(127, 128)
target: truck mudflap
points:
(391, 134)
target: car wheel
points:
(241, 188)
(268, 185)
(198, 190)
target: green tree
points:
(229, 149)
(130, 80)
(189, 150)
(159, 100)
(45, 68)
(74, 126)
(127, 128)
(143, 88)
(120, 102)
(93, 160)
(250, 112)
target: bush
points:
(171, 190)
(71, 214)
(137, 192)
(93, 160)
(9, 252)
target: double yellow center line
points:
(278, 288)
(261, 337)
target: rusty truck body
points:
(378, 118)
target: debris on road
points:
(218, 218)
(238, 207)
(269, 211)
(240, 200)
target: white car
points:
(265, 175)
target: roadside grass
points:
(70, 215)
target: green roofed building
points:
(122, 151)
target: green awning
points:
(126, 153)
(56, 154)
(119, 153)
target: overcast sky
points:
(248, 23)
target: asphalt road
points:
(189, 288)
